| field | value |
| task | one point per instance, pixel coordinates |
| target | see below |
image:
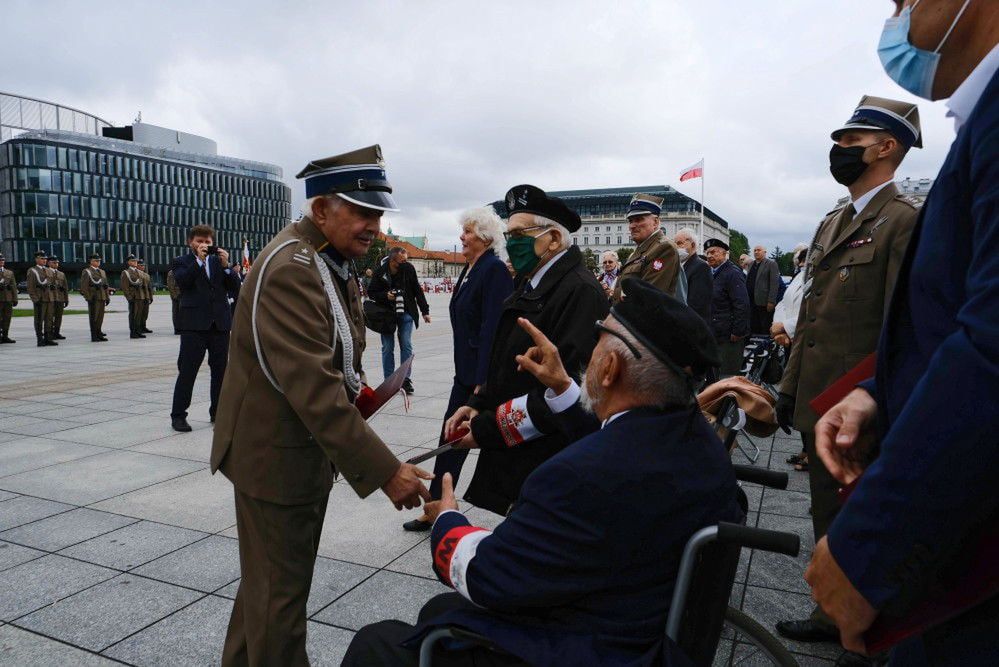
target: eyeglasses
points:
(599, 327)
(519, 233)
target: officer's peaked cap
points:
(358, 177)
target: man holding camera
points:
(395, 285)
(204, 279)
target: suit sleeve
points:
(184, 268)
(497, 286)
(33, 290)
(293, 337)
(774, 285)
(935, 475)
(735, 286)
(700, 291)
(549, 551)
(86, 285)
(379, 287)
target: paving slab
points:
(41, 582)
(195, 446)
(133, 545)
(30, 453)
(25, 509)
(326, 645)
(12, 555)
(20, 647)
(768, 606)
(62, 530)
(43, 427)
(6, 495)
(120, 433)
(97, 477)
(385, 595)
(205, 565)
(107, 613)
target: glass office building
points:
(72, 194)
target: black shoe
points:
(139, 335)
(6, 341)
(180, 424)
(135, 335)
(211, 418)
(96, 339)
(417, 526)
(147, 331)
(807, 631)
(59, 337)
(407, 386)
(51, 342)
(42, 343)
(104, 338)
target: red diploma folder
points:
(838, 390)
(370, 401)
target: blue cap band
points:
(890, 122)
(364, 178)
(642, 207)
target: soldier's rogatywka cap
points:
(670, 329)
(715, 243)
(53, 258)
(642, 204)
(39, 253)
(130, 258)
(95, 256)
(532, 199)
(901, 119)
(358, 177)
(141, 261)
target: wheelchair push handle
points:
(759, 538)
(768, 478)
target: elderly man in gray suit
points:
(762, 282)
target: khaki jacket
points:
(277, 445)
(849, 280)
(61, 291)
(132, 286)
(171, 285)
(8, 286)
(94, 284)
(40, 284)
(656, 261)
(147, 287)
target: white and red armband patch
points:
(514, 422)
(454, 553)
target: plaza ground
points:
(118, 546)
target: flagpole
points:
(700, 232)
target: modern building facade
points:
(20, 114)
(918, 188)
(135, 190)
(605, 226)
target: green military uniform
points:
(95, 289)
(656, 259)
(8, 299)
(42, 294)
(171, 284)
(146, 297)
(60, 287)
(285, 426)
(133, 288)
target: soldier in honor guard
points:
(95, 289)
(171, 285)
(61, 293)
(656, 259)
(147, 296)
(42, 294)
(286, 423)
(132, 289)
(8, 299)
(851, 269)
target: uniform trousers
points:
(825, 506)
(380, 643)
(175, 313)
(6, 312)
(731, 356)
(133, 317)
(193, 346)
(95, 313)
(57, 309)
(277, 555)
(760, 319)
(450, 461)
(143, 314)
(43, 320)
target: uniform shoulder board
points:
(838, 208)
(909, 199)
(303, 253)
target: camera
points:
(213, 250)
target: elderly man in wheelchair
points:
(583, 568)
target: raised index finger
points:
(539, 338)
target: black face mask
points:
(847, 164)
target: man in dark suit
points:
(762, 282)
(729, 306)
(700, 288)
(582, 570)
(929, 417)
(204, 279)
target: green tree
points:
(738, 244)
(590, 259)
(624, 253)
(785, 261)
(373, 257)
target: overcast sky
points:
(470, 98)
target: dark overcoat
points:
(730, 303)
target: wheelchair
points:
(699, 607)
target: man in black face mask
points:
(851, 269)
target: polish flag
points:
(246, 255)
(693, 171)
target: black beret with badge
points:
(674, 333)
(531, 199)
(715, 243)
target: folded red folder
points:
(838, 390)
(369, 400)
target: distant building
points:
(131, 190)
(603, 214)
(915, 187)
(428, 263)
(417, 241)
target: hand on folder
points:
(845, 434)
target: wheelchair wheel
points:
(748, 630)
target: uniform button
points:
(811, 318)
(818, 292)
(811, 343)
(851, 260)
(825, 267)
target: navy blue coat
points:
(933, 486)
(203, 302)
(700, 290)
(730, 303)
(475, 311)
(582, 570)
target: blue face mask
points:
(912, 68)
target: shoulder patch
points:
(909, 199)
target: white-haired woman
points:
(476, 305)
(611, 268)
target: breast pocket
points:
(858, 276)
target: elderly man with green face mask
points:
(508, 418)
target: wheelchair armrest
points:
(754, 475)
(759, 538)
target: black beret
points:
(531, 199)
(715, 243)
(670, 329)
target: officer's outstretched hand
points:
(845, 434)
(447, 502)
(542, 360)
(405, 489)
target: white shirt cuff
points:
(563, 401)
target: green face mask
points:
(521, 252)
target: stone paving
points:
(118, 546)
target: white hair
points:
(485, 224)
(566, 240)
(335, 203)
(798, 248)
(609, 253)
(689, 233)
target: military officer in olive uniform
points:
(60, 288)
(851, 269)
(286, 424)
(171, 285)
(8, 299)
(95, 289)
(147, 296)
(655, 260)
(132, 289)
(42, 294)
